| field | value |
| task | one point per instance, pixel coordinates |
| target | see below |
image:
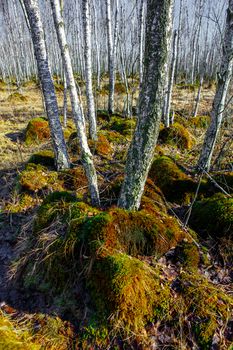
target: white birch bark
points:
(112, 44)
(171, 80)
(88, 69)
(141, 39)
(76, 107)
(224, 78)
(141, 151)
(37, 34)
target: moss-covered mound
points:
(176, 135)
(122, 125)
(127, 289)
(35, 333)
(213, 216)
(105, 264)
(174, 183)
(17, 97)
(153, 199)
(102, 147)
(36, 177)
(37, 131)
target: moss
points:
(37, 131)
(176, 135)
(45, 157)
(113, 136)
(35, 177)
(17, 97)
(102, 147)
(213, 216)
(74, 179)
(128, 290)
(174, 183)
(135, 233)
(122, 125)
(209, 304)
(200, 121)
(24, 202)
(224, 179)
(34, 333)
(188, 255)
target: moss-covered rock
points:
(122, 125)
(44, 157)
(176, 135)
(37, 131)
(213, 216)
(174, 183)
(22, 203)
(36, 177)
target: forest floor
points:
(26, 308)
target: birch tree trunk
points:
(141, 39)
(37, 34)
(171, 81)
(111, 60)
(224, 78)
(141, 151)
(88, 70)
(76, 106)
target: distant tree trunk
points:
(141, 151)
(224, 78)
(111, 53)
(141, 39)
(65, 101)
(171, 80)
(88, 70)
(76, 107)
(37, 34)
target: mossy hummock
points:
(176, 135)
(37, 131)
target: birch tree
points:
(224, 78)
(37, 34)
(141, 151)
(112, 45)
(171, 81)
(88, 69)
(76, 106)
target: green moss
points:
(102, 147)
(224, 179)
(22, 204)
(188, 255)
(135, 233)
(174, 183)
(35, 177)
(208, 303)
(122, 125)
(176, 135)
(37, 131)
(45, 157)
(35, 333)
(213, 216)
(128, 290)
